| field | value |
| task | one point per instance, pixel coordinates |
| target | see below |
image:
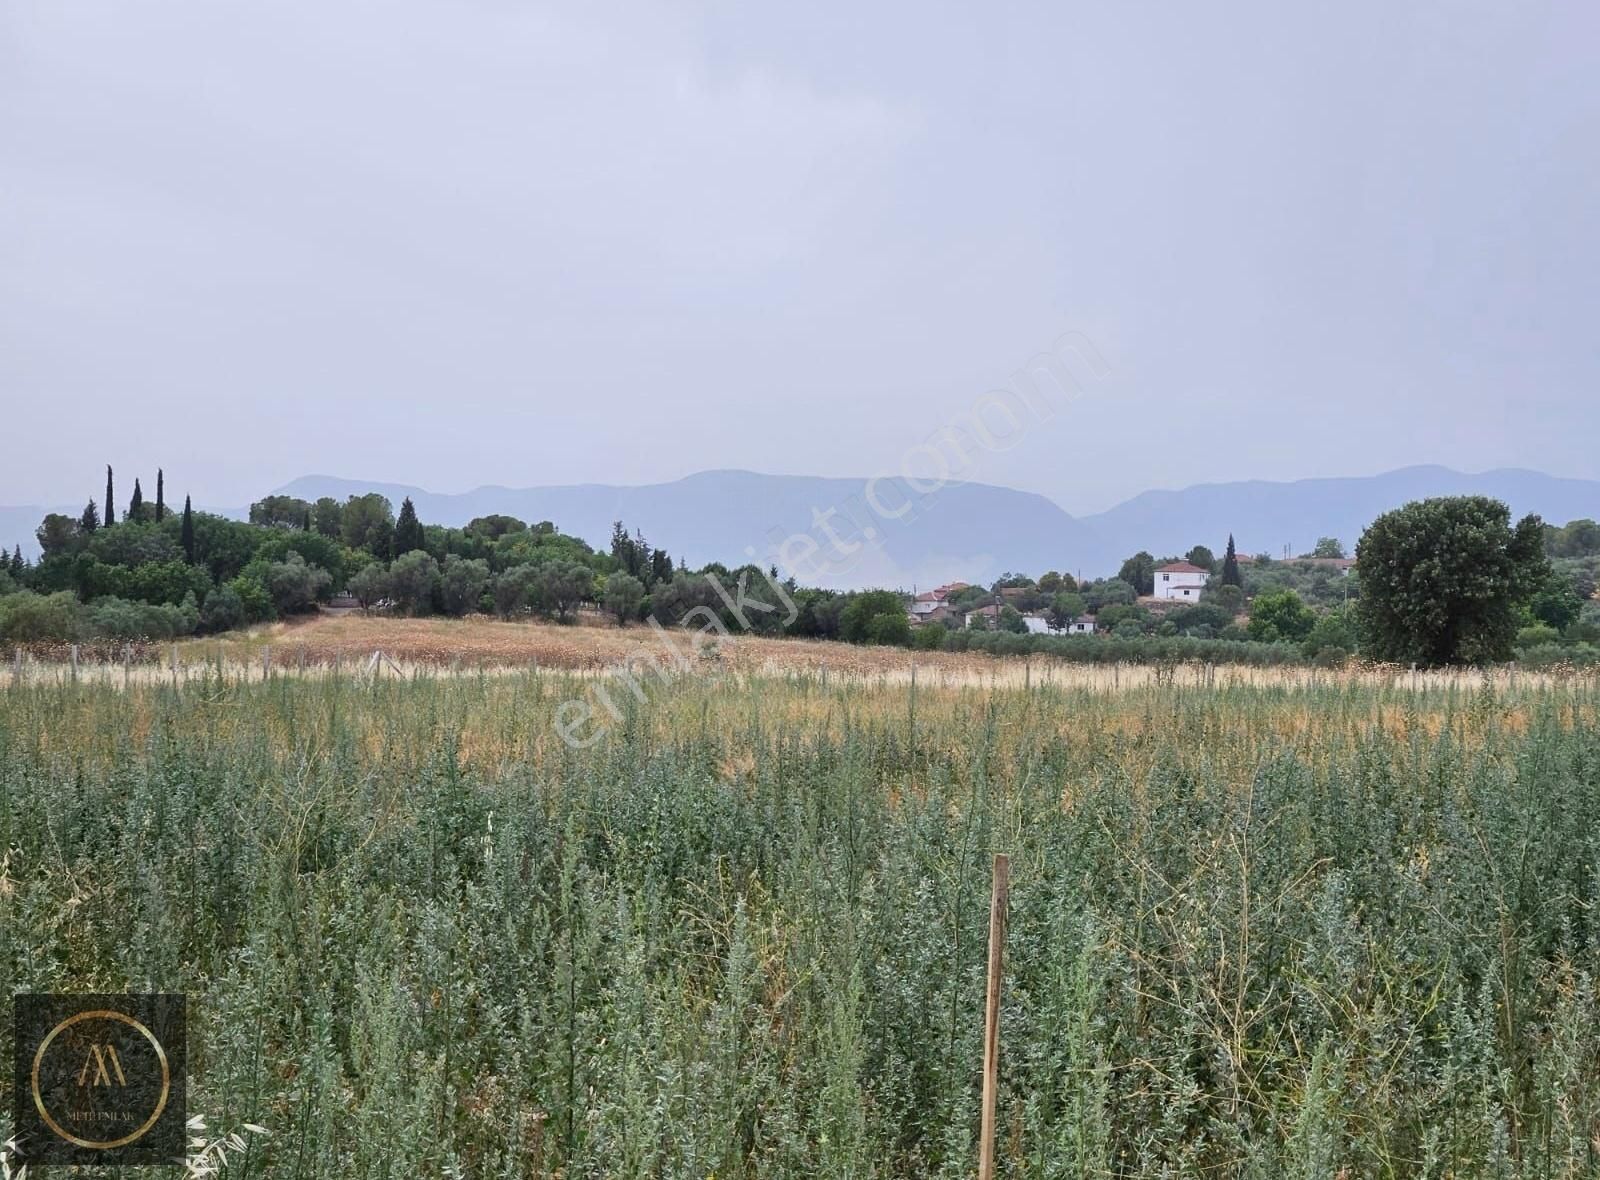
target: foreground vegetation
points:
(1301, 931)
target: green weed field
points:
(1338, 930)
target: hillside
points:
(1264, 517)
(969, 531)
(973, 532)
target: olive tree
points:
(623, 597)
(413, 581)
(461, 585)
(370, 585)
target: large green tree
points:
(1328, 547)
(414, 581)
(1577, 538)
(370, 585)
(1442, 580)
(1139, 571)
(562, 585)
(326, 515)
(56, 534)
(859, 623)
(186, 533)
(283, 511)
(1556, 603)
(407, 529)
(367, 522)
(1230, 566)
(461, 584)
(624, 594)
(1065, 607)
(1280, 614)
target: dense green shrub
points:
(294, 584)
(223, 609)
(40, 618)
(254, 599)
(859, 622)
(115, 618)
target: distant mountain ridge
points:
(962, 532)
(971, 532)
(1265, 516)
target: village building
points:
(983, 617)
(1180, 580)
(932, 606)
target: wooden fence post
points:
(72, 653)
(911, 707)
(991, 1015)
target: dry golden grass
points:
(478, 644)
(588, 645)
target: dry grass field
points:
(593, 647)
(1264, 922)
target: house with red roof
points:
(1180, 580)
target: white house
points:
(1180, 580)
(1082, 625)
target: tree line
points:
(1442, 581)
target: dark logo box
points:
(99, 1079)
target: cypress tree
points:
(1230, 567)
(111, 512)
(17, 564)
(407, 530)
(90, 520)
(188, 532)
(136, 503)
(161, 496)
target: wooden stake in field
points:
(991, 1016)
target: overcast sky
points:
(490, 241)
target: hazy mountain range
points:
(973, 532)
